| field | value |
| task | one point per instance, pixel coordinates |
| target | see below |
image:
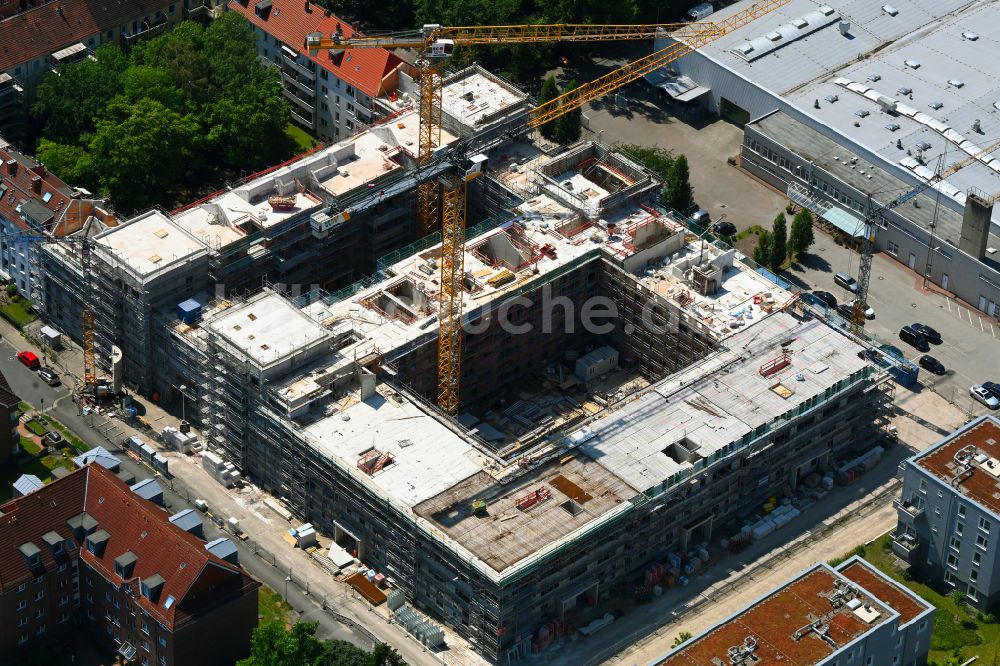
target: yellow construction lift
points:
(436, 44)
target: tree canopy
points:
(779, 242)
(800, 238)
(173, 118)
(567, 127)
(678, 193)
(275, 645)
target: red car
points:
(29, 359)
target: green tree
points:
(273, 645)
(342, 653)
(568, 126)
(181, 53)
(383, 655)
(800, 238)
(680, 638)
(779, 243)
(141, 151)
(146, 81)
(762, 250)
(549, 92)
(656, 159)
(68, 104)
(680, 196)
(72, 163)
(247, 127)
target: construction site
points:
(566, 395)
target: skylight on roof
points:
(890, 10)
(956, 83)
(169, 602)
(773, 36)
(912, 64)
(831, 98)
(905, 91)
(800, 23)
(874, 77)
(935, 105)
(826, 10)
(971, 36)
(861, 113)
(47, 197)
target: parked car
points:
(29, 359)
(53, 438)
(724, 229)
(49, 376)
(846, 310)
(932, 336)
(701, 217)
(846, 281)
(914, 338)
(979, 394)
(993, 388)
(826, 297)
(932, 364)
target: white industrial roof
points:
(930, 51)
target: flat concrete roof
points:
(969, 461)
(267, 329)
(903, 601)
(472, 95)
(149, 243)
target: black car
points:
(932, 364)
(826, 297)
(914, 337)
(993, 388)
(49, 376)
(724, 229)
(932, 336)
(846, 310)
(53, 438)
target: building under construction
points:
(581, 453)
(587, 444)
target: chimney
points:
(12, 167)
(308, 8)
(39, 169)
(36, 184)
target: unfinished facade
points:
(556, 484)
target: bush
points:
(11, 289)
(790, 208)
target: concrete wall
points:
(973, 281)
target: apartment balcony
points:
(907, 508)
(303, 121)
(289, 63)
(154, 28)
(905, 544)
(295, 99)
(304, 87)
(201, 8)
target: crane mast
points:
(436, 44)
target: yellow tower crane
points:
(436, 44)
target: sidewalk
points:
(266, 530)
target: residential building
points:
(949, 515)
(874, 100)
(853, 614)
(40, 35)
(333, 94)
(85, 554)
(10, 413)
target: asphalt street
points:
(97, 430)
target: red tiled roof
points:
(133, 524)
(7, 396)
(45, 29)
(17, 188)
(289, 23)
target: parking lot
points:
(970, 341)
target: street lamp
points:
(183, 388)
(287, 579)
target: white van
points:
(699, 12)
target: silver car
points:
(979, 394)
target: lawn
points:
(956, 627)
(35, 427)
(73, 440)
(300, 137)
(15, 313)
(271, 607)
(29, 446)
